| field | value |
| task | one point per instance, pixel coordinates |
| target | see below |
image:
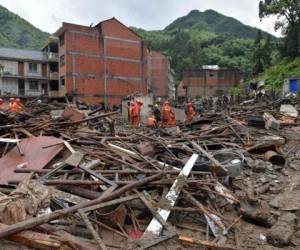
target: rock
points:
(281, 233)
(257, 213)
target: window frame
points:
(36, 88)
(31, 68)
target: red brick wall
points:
(159, 74)
(126, 62)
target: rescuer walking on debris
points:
(190, 113)
(135, 112)
(168, 117)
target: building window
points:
(62, 81)
(62, 60)
(62, 40)
(33, 67)
(33, 85)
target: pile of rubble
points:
(82, 179)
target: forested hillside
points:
(202, 38)
(18, 33)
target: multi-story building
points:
(23, 72)
(103, 63)
(160, 75)
(51, 51)
(209, 81)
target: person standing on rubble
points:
(167, 114)
(190, 113)
(10, 104)
(156, 113)
(135, 112)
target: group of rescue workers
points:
(163, 117)
(14, 105)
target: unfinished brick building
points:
(103, 63)
(209, 81)
(160, 75)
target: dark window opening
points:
(53, 86)
(62, 40)
(62, 81)
(33, 85)
(62, 60)
(33, 67)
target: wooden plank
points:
(206, 244)
(9, 140)
(155, 227)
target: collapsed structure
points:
(99, 64)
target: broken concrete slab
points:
(282, 231)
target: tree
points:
(267, 51)
(258, 55)
(288, 20)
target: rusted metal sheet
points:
(35, 156)
(72, 114)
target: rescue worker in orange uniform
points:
(16, 106)
(167, 115)
(135, 113)
(190, 114)
(10, 104)
(152, 123)
(1, 103)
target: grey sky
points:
(148, 14)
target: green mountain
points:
(213, 21)
(205, 38)
(18, 33)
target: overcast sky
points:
(48, 15)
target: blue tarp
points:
(294, 85)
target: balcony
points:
(53, 76)
(53, 57)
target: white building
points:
(25, 73)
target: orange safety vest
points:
(166, 112)
(151, 121)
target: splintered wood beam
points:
(155, 227)
(92, 230)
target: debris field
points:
(76, 178)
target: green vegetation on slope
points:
(205, 38)
(213, 21)
(18, 33)
(190, 49)
(276, 74)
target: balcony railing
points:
(53, 75)
(52, 56)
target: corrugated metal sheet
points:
(35, 157)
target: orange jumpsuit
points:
(190, 113)
(151, 122)
(168, 117)
(135, 112)
(16, 107)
